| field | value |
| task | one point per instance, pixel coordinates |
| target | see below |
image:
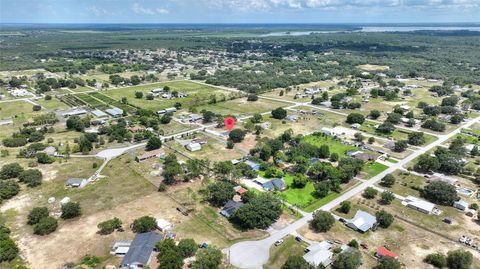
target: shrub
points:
(345, 207)
(144, 224)
(45, 226)
(370, 193)
(71, 210)
(436, 259)
(36, 214)
(31, 177)
(384, 218)
(108, 226)
(322, 221)
(11, 170)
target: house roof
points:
(419, 203)
(74, 181)
(99, 114)
(141, 248)
(228, 209)
(362, 221)
(276, 183)
(114, 111)
(319, 254)
(461, 203)
(252, 164)
(383, 252)
(240, 189)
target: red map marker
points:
(229, 122)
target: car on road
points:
(298, 238)
(278, 242)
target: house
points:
(319, 254)
(193, 146)
(355, 125)
(328, 131)
(312, 91)
(164, 225)
(115, 112)
(200, 141)
(156, 91)
(419, 204)
(99, 114)
(120, 247)
(274, 184)
(265, 125)
(136, 129)
(231, 206)
(362, 222)
(74, 112)
(255, 166)
(50, 151)
(383, 252)
(192, 118)
(170, 110)
(389, 145)
(76, 182)
(240, 190)
(140, 250)
(157, 153)
(461, 205)
(364, 157)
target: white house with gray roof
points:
(362, 222)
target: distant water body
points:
(378, 29)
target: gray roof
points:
(74, 181)
(276, 183)
(141, 248)
(230, 207)
(362, 221)
(99, 113)
(114, 111)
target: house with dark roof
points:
(231, 206)
(140, 250)
(274, 184)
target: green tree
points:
(139, 95)
(459, 259)
(45, 226)
(187, 247)
(8, 189)
(374, 114)
(384, 218)
(36, 214)
(153, 143)
(355, 118)
(108, 226)
(436, 259)
(387, 197)
(440, 192)
(322, 221)
(400, 146)
(31, 177)
(208, 258)
(8, 250)
(296, 262)
(71, 210)
(144, 224)
(220, 192)
(416, 138)
(388, 181)
(369, 193)
(300, 181)
(279, 113)
(11, 170)
(43, 158)
(170, 259)
(388, 263)
(345, 207)
(236, 135)
(350, 259)
(260, 212)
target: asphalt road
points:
(254, 254)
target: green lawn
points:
(242, 106)
(336, 146)
(279, 254)
(301, 197)
(372, 169)
(198, 94)
(53, 104)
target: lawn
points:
(406, 184)
(279, 254)
(53, 104)
(336, 146)
(241, 106)
(197, 94)
(18, 110)
(373, 168)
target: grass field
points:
(373, 168)
(406, 182)
(241, 106)
(17, 110)
(197, 94)
(53, 104)
(335, 145)
(279, 254)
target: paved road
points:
(254, 254)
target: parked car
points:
(278, 242)
(298, 238)
(447, 221)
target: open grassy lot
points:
(335, 145)
(82, 89)
(398, 133)
(53, 104)
(372, 169)
(279, 254)
(407, 183)
(241, 106)
(197, 94)
(214, 150)
(19, 111)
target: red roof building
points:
(382, 252)
(240, 190)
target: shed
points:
(115, 112)
(140, 251)
(76, 182)
(193, 146)
(164, 225)
(383, 252)
(461, 205)
(99, 114)
(255, 166)
(362, 222)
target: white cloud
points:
(139, 9)
(97, 11)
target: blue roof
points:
(141, 248)
(255, 166)
(276, 183)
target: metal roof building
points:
(141, 248)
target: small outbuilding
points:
(76, 182)
(460, 205)
(193, 146)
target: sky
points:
(239, 11)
